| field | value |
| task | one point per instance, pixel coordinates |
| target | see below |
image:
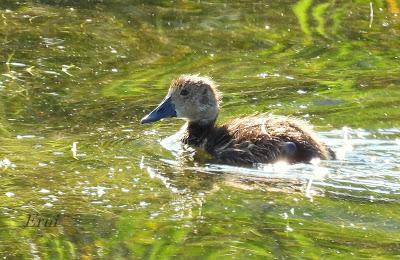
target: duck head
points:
(191, 97)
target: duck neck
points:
(196, 132)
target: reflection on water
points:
(365, 165)
(76, 77)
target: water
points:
(75, 79)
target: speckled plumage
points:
(248, 140)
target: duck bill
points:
(164, 110)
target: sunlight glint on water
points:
(85, 72)
(363, 165)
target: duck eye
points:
(184, 92)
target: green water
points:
(87, 71)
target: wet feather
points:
(261, 138)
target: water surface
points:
(77, 76)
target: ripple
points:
(367, 165)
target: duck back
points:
(256, 139)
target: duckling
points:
(242, 141)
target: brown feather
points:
(248, 140)
(257, 140)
